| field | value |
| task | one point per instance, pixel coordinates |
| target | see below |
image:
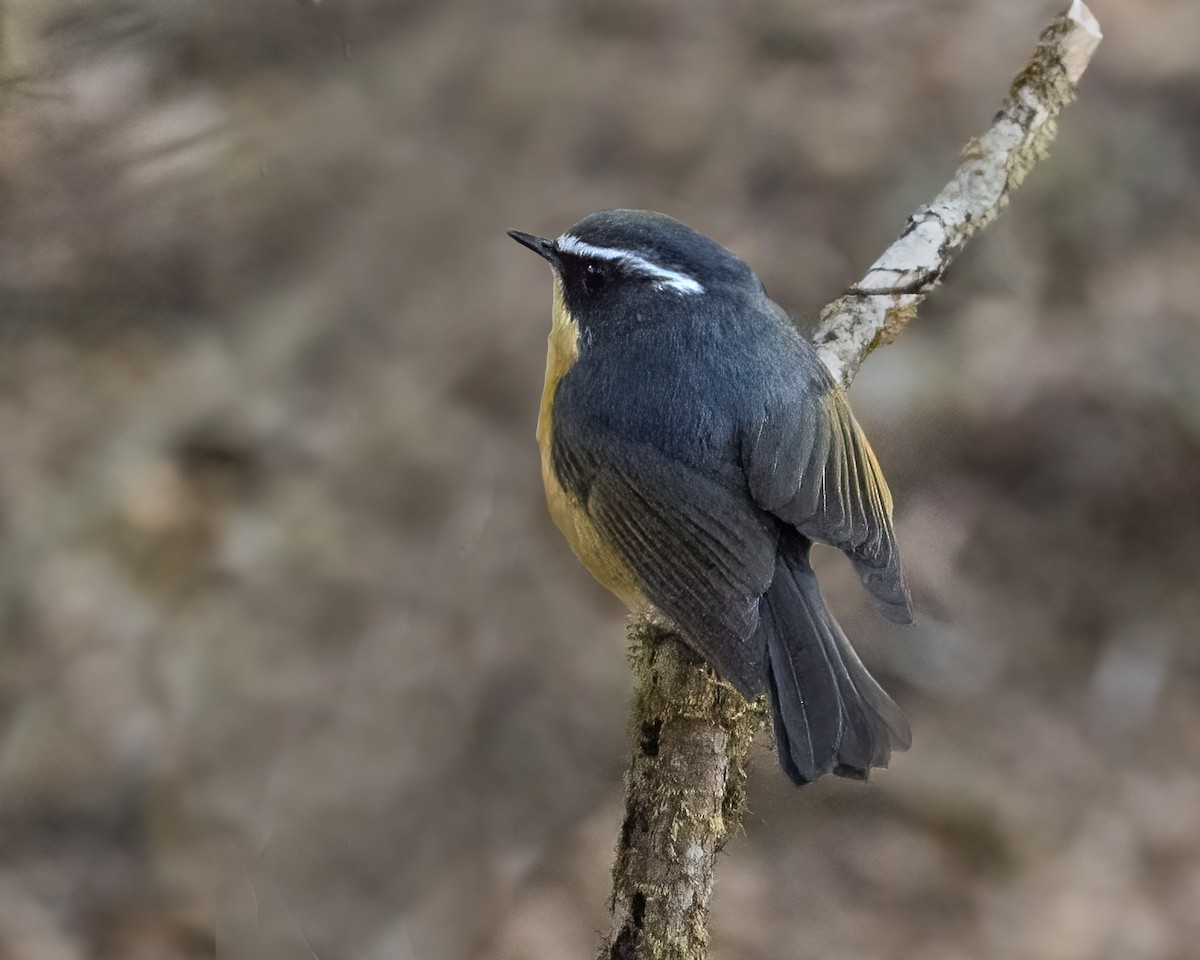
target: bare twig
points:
(690, 731)
(874, 310)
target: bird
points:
(693, 449)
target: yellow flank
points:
(567, 512)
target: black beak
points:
(539, 245)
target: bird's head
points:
(632, 260)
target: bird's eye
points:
(594, 277)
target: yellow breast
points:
(567, 512)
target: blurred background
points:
(292, 661)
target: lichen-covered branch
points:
(685, 793)
(874, 310)
(690, 731)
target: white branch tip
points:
(1081, 42)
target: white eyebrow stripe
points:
(680, 282)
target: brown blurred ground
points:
(293, 663)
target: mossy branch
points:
(687, 780)
(690, 731)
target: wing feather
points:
(700, 550)
(811, 465)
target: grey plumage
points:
(707, 444)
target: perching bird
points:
(693, 448)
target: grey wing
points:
(809, 463)
(701, 551)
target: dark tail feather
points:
(830, 714)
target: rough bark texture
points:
(874, 310)
(690, 731)
(685, 792)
